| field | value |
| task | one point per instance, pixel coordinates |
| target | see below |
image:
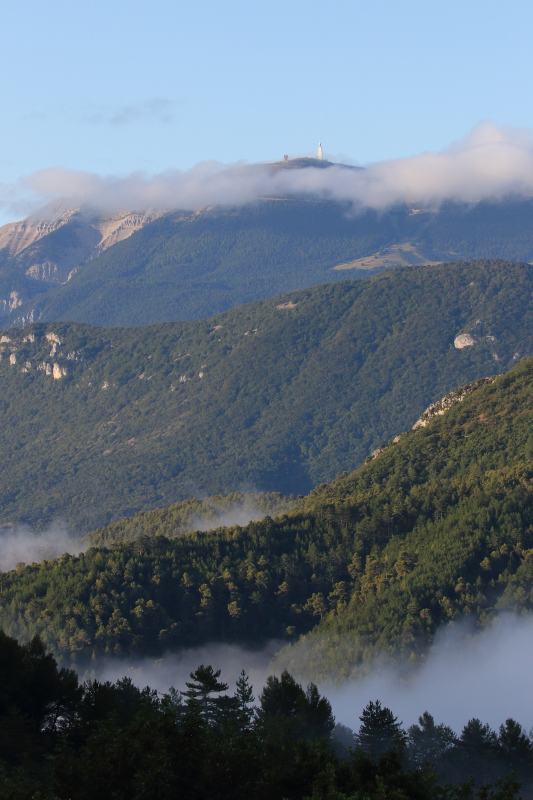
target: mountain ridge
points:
(436, 529)
(189, 265)
(279, 395)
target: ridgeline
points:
(275, 396)
(438, 527)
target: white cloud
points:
(467, 674)
(491, 162)
(156, 107)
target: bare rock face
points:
(464, 340)
(53, 244)
(440, 407)
(16, 236)
(58, 372)
(436, 410)
(11, 302)
(32, 348)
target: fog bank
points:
(485, 675)
(20, 544)
(467, 674)
(175, 669)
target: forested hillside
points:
(437, 527)
(62, 739)
(279, 395)
(191, 265)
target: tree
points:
(244, 698)
(513, 746)
(380, 729)
(429, 742)
(205, 683)
(309, 714)
(476, 751)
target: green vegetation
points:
(193, 515)
(61, 740)
(188, 266)
(279, 395)
(438, 527)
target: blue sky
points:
(116, 87)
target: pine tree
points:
(244, 698)
(205, 683)
(380, 729)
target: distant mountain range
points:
(134, 268)
(278, 395)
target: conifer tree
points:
(380, 729)
(204, 684)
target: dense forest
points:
(279, 395)
(437, 527)
(192, 265)
(236, 508)
(60, 739)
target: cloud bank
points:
(175, 669)
(491, 162)
(19, 544)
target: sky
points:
(119, 87)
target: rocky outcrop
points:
(464, 340)
(435, 410)
(11, 302)
(29, 350)
(51, 246)
(17, 236)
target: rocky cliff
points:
(50, 246)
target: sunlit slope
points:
(443, 524)
(436, 528)
(278, 395)
(191, 265)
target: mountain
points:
(437, 527)
(47, 248)
(279, 395)
(187, 265)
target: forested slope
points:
(278, 395)
(437, 527)
(191, 265)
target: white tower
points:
(319, 154)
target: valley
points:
(278, 395)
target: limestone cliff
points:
(436, 410)
(51, 245)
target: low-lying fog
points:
(466, 674)
(485, 675)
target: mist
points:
(491, 162)
(466, 674)
(20, 544)
(219, 516)
(175, 669)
